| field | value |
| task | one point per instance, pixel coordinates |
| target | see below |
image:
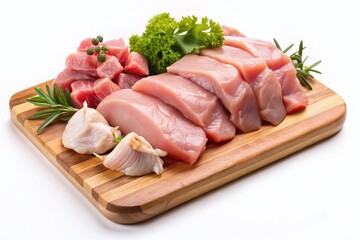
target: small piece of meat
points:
(83, 90)
(161, 125)
(117, 48)
(230, 31)
(68, 76)
(137, 64)
(104, 87)
(111, 68)
(127, 80)
(83, 63)
(262, 80)
(87, 132)
(134, 156)
(293, 95)
(225, 81)
(85, 45)
(197, 104)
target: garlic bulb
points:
(87, 132)
(134, 156)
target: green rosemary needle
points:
(303, 73)
(57, 103)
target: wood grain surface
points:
(127, 200)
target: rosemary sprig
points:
(303, 73)
(58, 105)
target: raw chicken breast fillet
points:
(293, 95)
(262, 80)
(161, 125)
(197, 104)
(225, 81)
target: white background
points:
(313, 194)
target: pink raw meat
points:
(127, 80)
(293, 94)
(85, 45)
(83, 90)
(111, 68)
(225, 81)
(159, 123)
(137, 64)
(67, 76)
(262, 80)
(230, 31)
(197, 104)
(83, 63)
(104, 87)
(117, 48)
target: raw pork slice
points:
(225, 81)
(161, 125)
(293, 94)
(262, 80)
(197, 104)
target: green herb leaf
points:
(302, 71)
(58, 105)
(48, 121)
(166, 40)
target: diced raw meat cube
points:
(111, 68)
(85, 45)
(117, 48)
(104, 87)
(127, 80)
(67, 76)
(83, 90)
(83, 63)
(137, 64)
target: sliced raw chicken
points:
(161, 125)
(225, 81)
(262, 80)
(293, 94)
(197, 104)
(230, 31)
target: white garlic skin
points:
(87, 132)
(134, 156)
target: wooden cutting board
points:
(128, 200)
